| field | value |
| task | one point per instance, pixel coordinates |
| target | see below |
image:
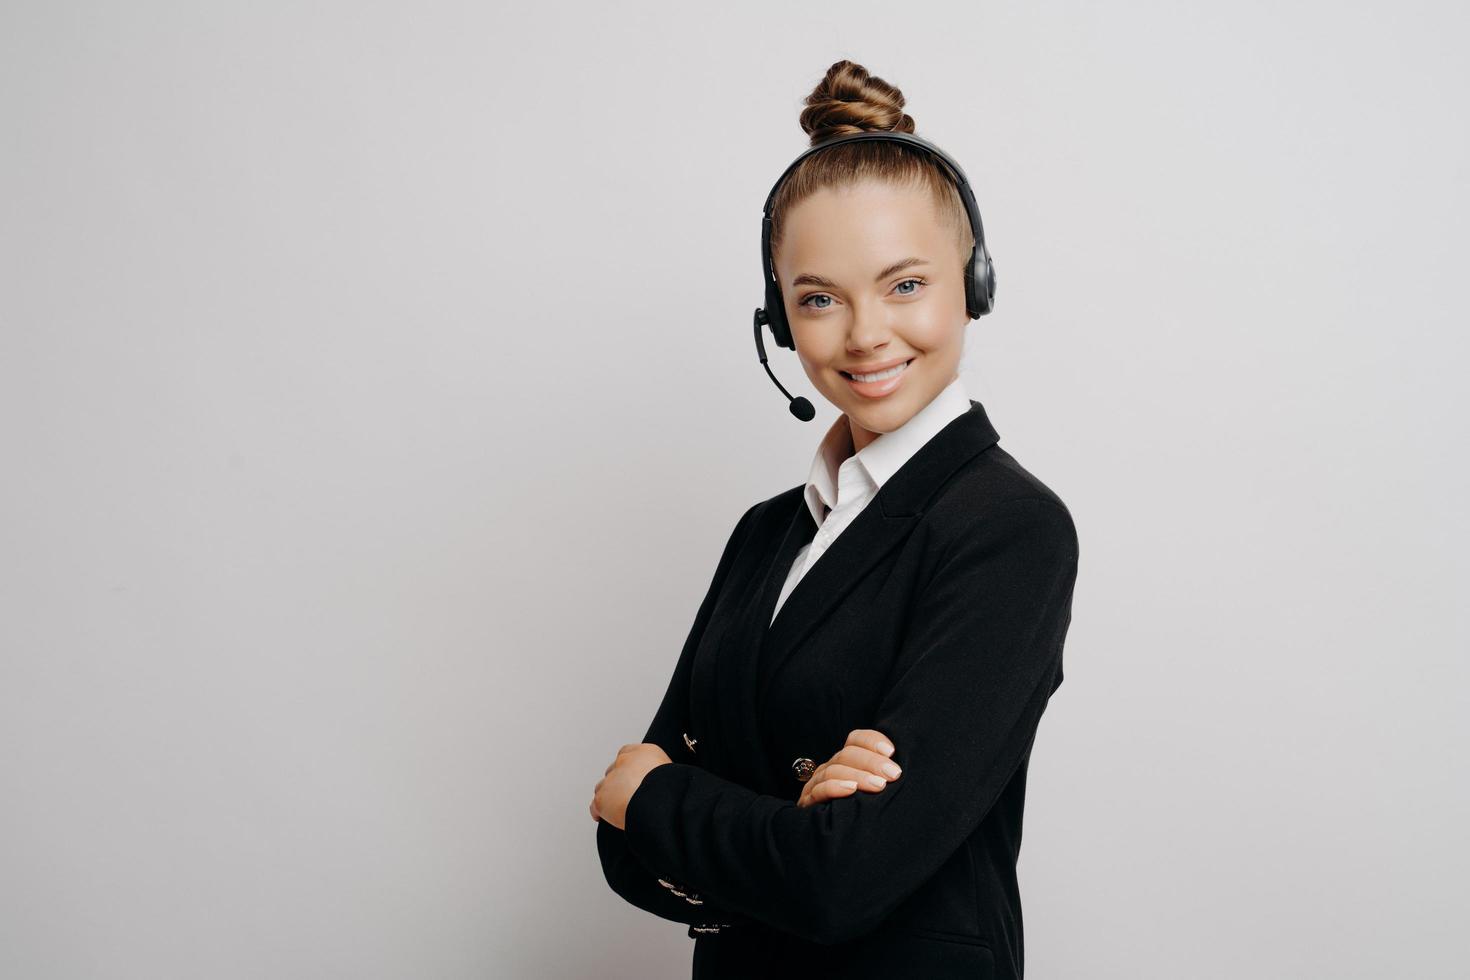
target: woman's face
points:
(851, 307)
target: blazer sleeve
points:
(980, 657)
(650, 890)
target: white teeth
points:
(882, 375)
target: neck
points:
(860, 436)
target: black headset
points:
(979, 270)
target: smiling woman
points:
(834, 780)
(878, 337)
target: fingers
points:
(628, 747)
(866, 760)
(834, 780)
(817, 791)
(862, 763)
(865, 779)
(870, 739)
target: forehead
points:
(861, 224)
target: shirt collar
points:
(882, 457)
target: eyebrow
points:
(811, 279)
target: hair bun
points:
(849, 100)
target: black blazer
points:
(937, 617)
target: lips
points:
(882, 388)
(875, 369)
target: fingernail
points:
(875, 781)
(892, 769)
(885, 747)
(849, 783)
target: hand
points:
(863, 763)
(613, 791)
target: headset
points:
(979, 270)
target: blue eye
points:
(805, 299)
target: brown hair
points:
(849, 100)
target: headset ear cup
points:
(983, 275)
(975, 302)
(776, 318)
(970, 287)
(989, 283)
(781, 329)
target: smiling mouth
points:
(849, 377)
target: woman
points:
(900, 616)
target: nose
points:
(869, 330)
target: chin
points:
(881, 418)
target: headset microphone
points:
(800, 407)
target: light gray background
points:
(377, 390)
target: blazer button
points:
(803, 769)
(689, 742)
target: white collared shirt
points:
(842, 482)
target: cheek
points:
(812, 346)
(934, 334)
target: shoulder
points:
(777, 508)
(993, 493)
(763, 516)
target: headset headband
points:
(957, 174)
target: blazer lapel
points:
(879, 527)
(736, 669)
